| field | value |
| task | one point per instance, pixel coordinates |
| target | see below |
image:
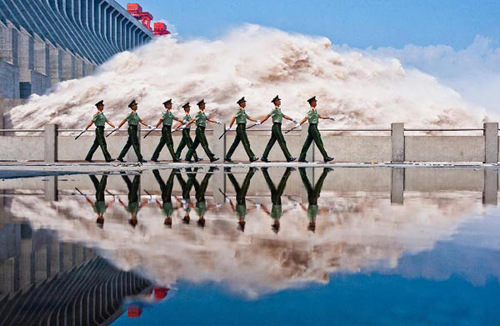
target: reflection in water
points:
(342, 224)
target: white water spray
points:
(258, 63)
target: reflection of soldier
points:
(166, 195)
(312, 196)
(133, 206)
(186, 197)
(241, 194)
(276, 193)
(201, 188)
(99, 206)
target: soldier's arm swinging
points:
(110, 123)
(122, 123)
(214, 121)
(89, 124)
(265, 118)
(303, 121)
(288, 117)
(232, 122)
(186, 125)
(159, 123)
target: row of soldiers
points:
(200, 120)
(239, 206)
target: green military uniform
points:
(313, 193)
(241, 135)
(201, 123)
(166, 191)
(276, 135)
(186, 140)
(241, 193)
(100, 140)
(166, 136)
(133, 206)
(313, 135)
(100, 188)
(133, 120)
(201, 189)
(276, 193)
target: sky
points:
(358, 23)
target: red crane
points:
(145, 17)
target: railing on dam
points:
(396, 144)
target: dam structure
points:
(43, 42)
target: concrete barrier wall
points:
(21, 148)
(444, 148)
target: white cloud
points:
(474, 72)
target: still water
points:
(206, 246)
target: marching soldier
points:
(133, 206)
(200, 190)
(186, 194)
(133, 120)
(167, 119)
(166, 195)
(276, 193)
(241, 132)
(313, 133)
(276, 134)
(241, 194)
(100, 121)
(186, 137)
(201, 122)
(312, 196)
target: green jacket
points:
(99, 119)
(277, 115)
(168, 118)
(313, 117)
(133, 119)
(241, 116)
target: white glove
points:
(258, 123)
(117, 199)
(257, 205)
(218, 206)
(294, 120)
(228, 128)
(184, 122)
(85, 195)
(84, 129)
(183, 127)
(297, 125)
(332, 118)
(151, 127)
(228, 200)
(218, 122)
(116, 128)
(151, 200)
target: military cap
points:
(167, 102)
(312, 99)
(132, 104)
(101, 102)
(185, 105)
(277, 98)
(241, 100)
(201, 102)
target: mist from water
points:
(258, 63)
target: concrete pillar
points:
(397, 185)
(131, 157)
(42, 57)
(219, 145)
(50, 149)
(491, 142)
(398, 142)
(9, 39)
(55, 56)
(26, 48)
(68, 66)
(490, 192)
(303, 136)
(79, 68)
(51, 188)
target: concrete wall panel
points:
(21, 148)
(445, 148)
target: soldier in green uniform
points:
(167, 119)
(99, 205)
(201, 122)
(200, 189)
(277, 210)
(276, 134)
(312, 195)
(134, 205)
(241, 193)
(133, 120)
(313, 133)
(166, 195)
(241, 131)
(186, 137)
(100, 121)
(186, 187)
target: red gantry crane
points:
(145, 17)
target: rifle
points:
(81, 193)
(80, 134)
(225, 131)
(149, 133)
(288, 131)
(112, 131)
